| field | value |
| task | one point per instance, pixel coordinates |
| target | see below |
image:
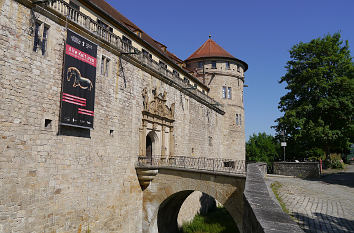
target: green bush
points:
(334, 161)
(217, 221)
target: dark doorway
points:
(148, 147)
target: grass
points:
(216, 221)
(275, 188)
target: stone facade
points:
(57, 179)
(301, 169)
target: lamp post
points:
(283, 143)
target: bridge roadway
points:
(167, 182)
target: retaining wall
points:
(301, 170)
(261, 213)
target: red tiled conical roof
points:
(210, 49)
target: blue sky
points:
(258, 32)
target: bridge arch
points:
(169, 189)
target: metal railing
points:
(64, 9)
(194, 163)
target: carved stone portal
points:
(159, 118)
(157, 106)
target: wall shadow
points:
(74, 131)
(207, 204)
(324, 223)
(168, 212)
(340, 178)
(169, 209)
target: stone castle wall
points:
(51, 182)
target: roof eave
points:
(136, 37)
(219, 57)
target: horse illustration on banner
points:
(79, 81)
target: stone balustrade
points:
(194, 163)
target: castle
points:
(85, 93)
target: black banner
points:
(78, 95)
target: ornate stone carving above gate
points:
(157, 117)
(157, 107)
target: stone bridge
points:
(168, 182)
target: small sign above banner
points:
(79, 79)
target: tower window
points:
(213, 64)
(229, 92)
(227, 65)
(238, 119)
(224, 92)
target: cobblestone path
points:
(321, 205)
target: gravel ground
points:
(320, 205)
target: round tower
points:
(224, 75)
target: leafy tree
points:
(262, 148)
(318, 108)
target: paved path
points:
(321, 205)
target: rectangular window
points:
(175, 73)
(126, 40)
(102, 65)
(237, 119)
(213, 64)
(107, 67)
(147, 54)
(224, 92)
(44, 39)
(104, 25)
(200, 64)
(228, 65)
(162, 64)
(127, 44)
(105, 63)
(229, 92)
(229, 164)
(36, 36)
